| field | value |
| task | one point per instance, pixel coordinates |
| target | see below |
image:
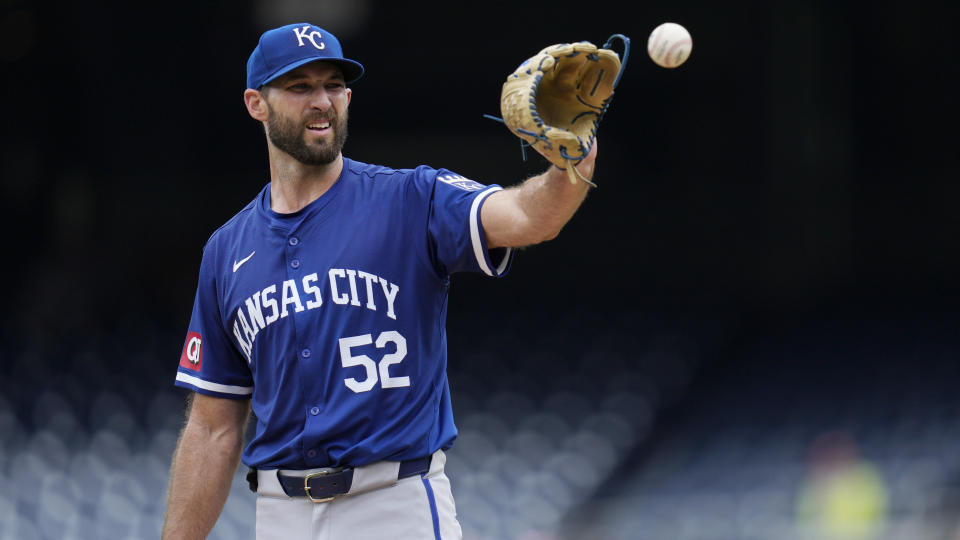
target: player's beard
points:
(287, 134)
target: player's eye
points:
(299, 87)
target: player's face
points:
(308, 113)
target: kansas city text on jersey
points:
(345, 287)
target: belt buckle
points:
(306, 486)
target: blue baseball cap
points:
(286, 48)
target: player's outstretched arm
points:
(536, 210)
(206, 458)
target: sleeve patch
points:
(460, 182)
(192, 356)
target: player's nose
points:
(320, 99)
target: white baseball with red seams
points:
(669, 45)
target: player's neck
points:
(295, 185)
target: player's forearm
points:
(536, 210)
(549, 201)
(200, 479)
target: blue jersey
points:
(332, 319)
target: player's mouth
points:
(318, 127)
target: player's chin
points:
(318, 144)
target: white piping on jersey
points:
(506, 261)
(214, 387)
(479, 250)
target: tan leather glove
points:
(556, 98)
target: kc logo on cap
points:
(286, 48)
(302, 34)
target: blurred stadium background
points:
(748, 332)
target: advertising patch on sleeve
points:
(192, 352)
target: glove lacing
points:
(573, 173)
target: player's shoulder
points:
(424, 176)
(373, 172)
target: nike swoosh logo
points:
(238, 264)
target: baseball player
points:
(321, 307)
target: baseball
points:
(669, 45)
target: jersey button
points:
(293, 240)
(295, 263)
(315, 410)
(311, 453)
(305, 353)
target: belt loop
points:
(252, 479)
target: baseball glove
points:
(554, 101)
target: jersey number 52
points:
(373, 368)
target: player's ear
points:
(256, 104)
